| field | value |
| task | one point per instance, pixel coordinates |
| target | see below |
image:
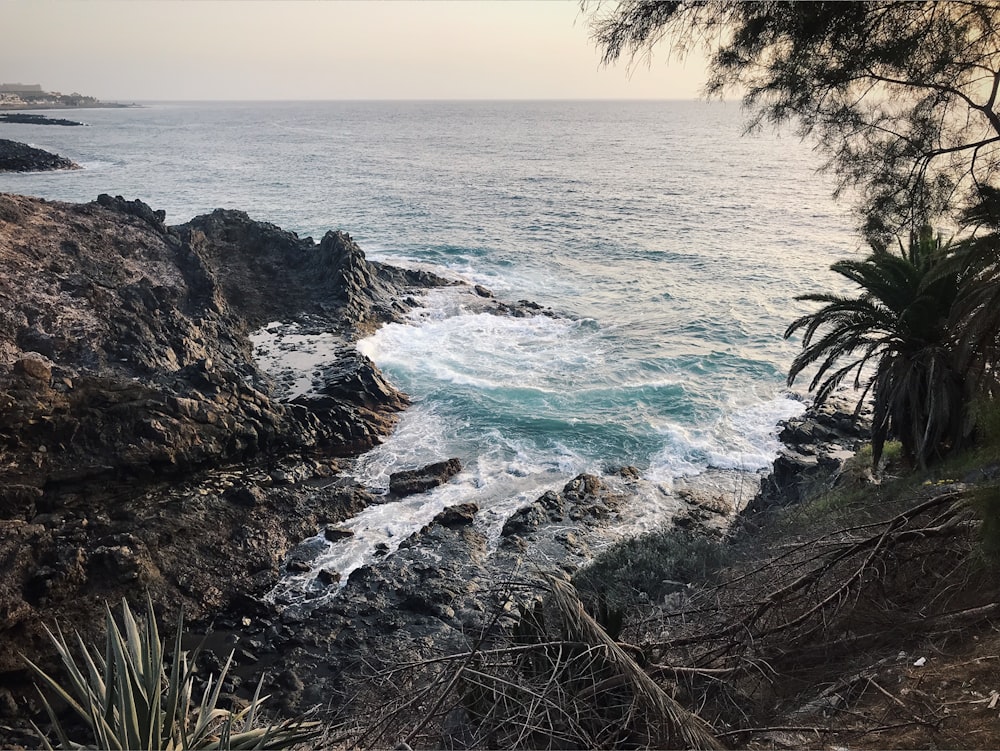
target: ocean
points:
(668, 245)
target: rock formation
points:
(141, 449)
(814, 448)
(410, 481)
(19, 157)
(24, 118)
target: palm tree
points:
(976, 317)
(896, 337)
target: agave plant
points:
(130, 700)
(896, 338)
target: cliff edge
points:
(141, 448)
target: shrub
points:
(654, 564)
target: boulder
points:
(411, 481)
(457, 516)
(336, 534)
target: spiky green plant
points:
(130, 700)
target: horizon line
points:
(425, 99)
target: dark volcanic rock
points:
(333, 280)
(457, 516)
(19, 157)
(28, 119)
(335, 534)
(135, 208)
(815, 447)
(355, 401)
(126, 353)
(442, 592)
(583, 498)
(141, 449)
(410, 481)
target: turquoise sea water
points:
(670, 246)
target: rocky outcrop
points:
(583, 497)
(24, 118)
(814, 449)
(411, 481)
(19, 157)
(441, 592)
(331, 284)
(125, 342)
(141, 448)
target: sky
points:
(130, 50)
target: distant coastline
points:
(5, 106)
(19, 96)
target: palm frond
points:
(900, 329)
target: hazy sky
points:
(288, 49)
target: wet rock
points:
(629, 473)
(584, 497)
(582, 487)
(409, 482)
(457, 516)
(524, 521)
(328, 576)
(335, 534)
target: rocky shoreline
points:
(143, 450)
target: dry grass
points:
(802, 637)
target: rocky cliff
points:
(141, 448)
(126, 348)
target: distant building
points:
(20, 88)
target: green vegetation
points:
(647, 567)
(129, 700)
(900, 97)
(899, 327)
(976, 316)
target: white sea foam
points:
(744, 438)
(488, 351)
(485, 385)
